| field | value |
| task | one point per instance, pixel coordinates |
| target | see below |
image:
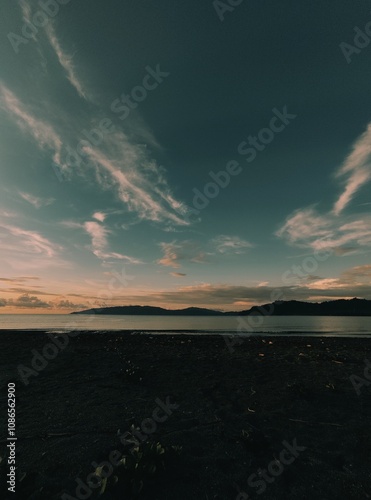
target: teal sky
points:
(117, 120)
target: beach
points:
(278, 418)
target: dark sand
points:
(276, 389)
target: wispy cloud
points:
(100, 216)
(120, 164)
(343, 233)
(30, 290)
(306, 228)
(358, 168)
(71, 224)
(25, 250)
(357, 275)
(99, 243)
(20, 279)
(36, 201)
(231, 244)
(140, 183)
(26, 10)
(306, 224)
(353, 282)
(7, 214)
(178, 252)
(66, 61)
(33, 241)
(43, 133)
(124, 166)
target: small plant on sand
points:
(143, 465)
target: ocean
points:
(341, 326)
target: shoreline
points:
(200, 333)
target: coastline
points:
(189, 332)
(276, 388)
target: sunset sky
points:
(116, 115)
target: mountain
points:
(341, 307)
(150, 311)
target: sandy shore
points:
(232, 414)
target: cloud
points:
(26, 10)
(35, 289)
(99, 243)
(263, 283)
(66, 304)
(304, 225)
(35, 201)
(177, 252)
(71, 224)
(353, 282)
(66, 61)
(100, 216)
(124, 166)
(178, 275)
(120, 165)
(7, 214)
(344, 234)
(357, 275)
(358, 169)
(307, 228)
(231, 244)
(138, 180)
(27, 250)
(27, 302)
(32, 241)
(312, 277)
(43, 133)
(98, 235)
(20, 279)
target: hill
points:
(341, 307)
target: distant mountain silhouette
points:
(341, 307)
(151, 311)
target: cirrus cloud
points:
(177, 252)
(231, 244)
(99, 243)
(343, 233)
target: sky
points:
(183, 153)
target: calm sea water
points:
(299, 325)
